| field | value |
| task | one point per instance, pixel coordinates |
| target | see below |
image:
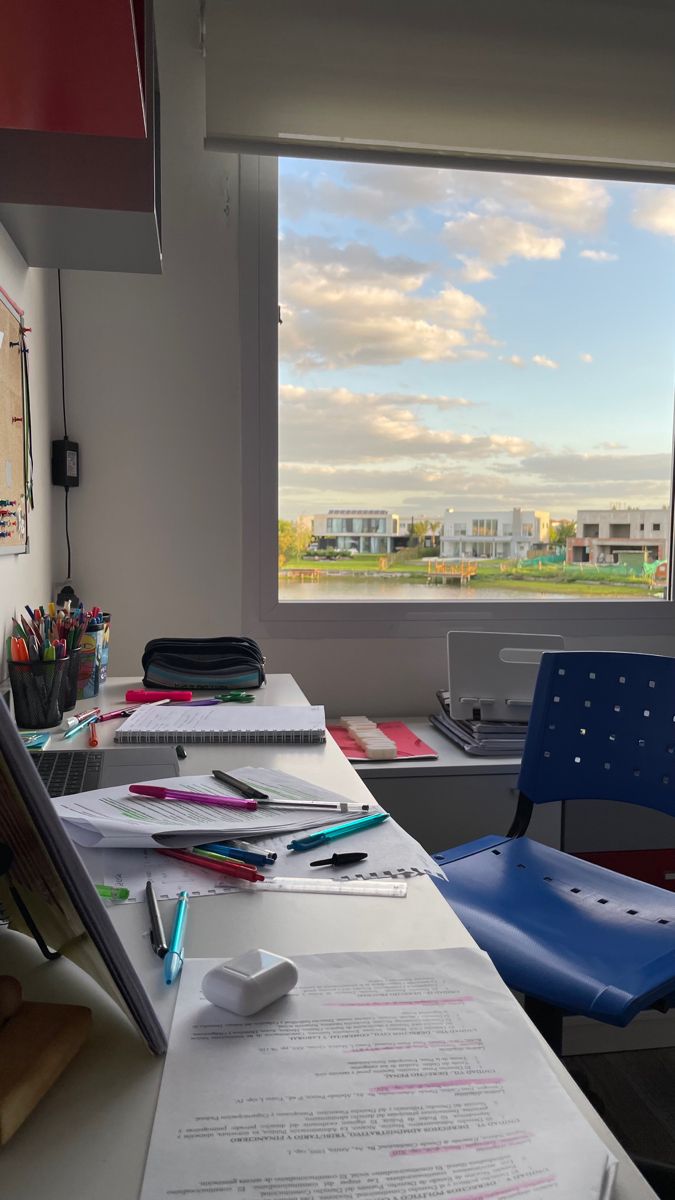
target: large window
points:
(470, 353)
(410, 382)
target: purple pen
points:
(162, 793)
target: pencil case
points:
(205, 664)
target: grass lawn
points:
(548, 578)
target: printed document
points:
(386, 1075)
(114, 817)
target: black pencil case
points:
(203, 664)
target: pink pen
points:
(161, 793)
(116, 712)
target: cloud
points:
(599, 256)
(540, 360)
(493, 241)
(348, 305)
(600, 468)
(515, 360)
(379, 193)
(655, 211)
(610, 446)
(336, 425)
(586, 358)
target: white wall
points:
(153, 381)
(28, 578)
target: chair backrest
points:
(602, 728)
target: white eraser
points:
(250, 982)
(380, 751)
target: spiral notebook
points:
(224, 723)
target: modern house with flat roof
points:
(613, 535)
(366, 530)
(494, 533)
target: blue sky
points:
(467, 339)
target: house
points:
(497, 533)
(366, 530)
(613, 535)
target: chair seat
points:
(563, 930)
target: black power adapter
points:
(65, 463)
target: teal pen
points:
(173, 959)
(82, 725)
(336, 831)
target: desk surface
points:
(89, 1136)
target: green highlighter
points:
(336, 831)
(111, 893)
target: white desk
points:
(88, 1138)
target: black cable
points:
(63, 376)
(67, 534)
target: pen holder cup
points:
(70, 680)
(38, 691)
(93, 657)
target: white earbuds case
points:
(250, 982)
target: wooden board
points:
(13, 498)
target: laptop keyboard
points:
(64, 773)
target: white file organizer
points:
(491, 676)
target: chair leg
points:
(548, 1020)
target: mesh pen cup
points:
(70, 680)
(38, 692)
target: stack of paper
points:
(484, 738)
(113, 817)
(396, 1075)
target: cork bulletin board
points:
(14, 432)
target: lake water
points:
(344, 587)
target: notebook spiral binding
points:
(240, 736)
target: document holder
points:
(491, 676)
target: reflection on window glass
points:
(475, 385)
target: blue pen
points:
(248, 856)
(336, 831)
(173, 959)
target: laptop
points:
(65, 772)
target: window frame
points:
(264, 614)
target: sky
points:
(464, 339)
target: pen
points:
(72, 722)
(162, 793)
(173, 959)
(157, 935)
(246, 789)
(336, 831)
(270, 855)
(235, 872)
(79, 727)
(322, 805)
(93, 736)
(116, 712)
(256, 857)
(213, 856)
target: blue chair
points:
(575, 937)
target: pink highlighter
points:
(141, 697)
(154, 792)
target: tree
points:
(563, 531)
(294, 538)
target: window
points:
(481, 528)
(448, 340)
(655, 528)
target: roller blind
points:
(587, 83)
